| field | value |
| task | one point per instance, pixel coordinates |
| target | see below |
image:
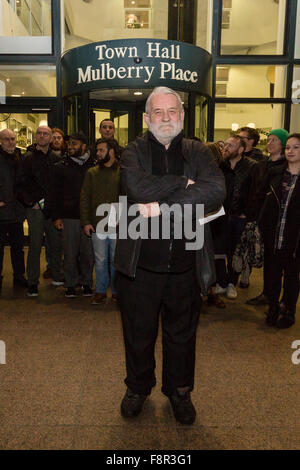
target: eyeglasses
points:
(244, 137)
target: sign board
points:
(136, 63)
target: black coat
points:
(259, 186)
(141, 186)
(269, 217)
(37, 178)
(238, 181)
(65, 192)
(10, 167)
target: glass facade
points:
(118, 19)
(251, 81)
(251, 43)
(25, 27)
(250, 27)
(28, 80)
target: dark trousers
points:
(38, 225)
(15, 234)
(141, 301)
(78, 254)
(221, 273)
(235, 227)
(281, 266)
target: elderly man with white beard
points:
(159, 274)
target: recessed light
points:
(137, 93)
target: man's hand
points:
(88, 230)
(2, 203)
(59, 224)
(149, 210)
(189, 182)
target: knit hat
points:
(282, 135)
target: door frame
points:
(134, 109)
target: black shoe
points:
(20, 281)
(132, 404)
(261, 299)
(286, 320)
(71, 292)
(87, 291)
(33, 291)
(272, 315)
(183, 408)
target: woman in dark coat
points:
(279, 223)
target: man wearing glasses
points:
(35, 187)
(251, 139)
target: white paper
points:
(209, 218)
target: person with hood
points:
(101, 186)
(69, 174)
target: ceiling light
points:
(137, 93)
(234, 126)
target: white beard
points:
(165, 132)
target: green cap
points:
(282, 135)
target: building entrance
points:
(126, 109)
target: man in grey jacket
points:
(158, 274)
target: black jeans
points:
(235, 227)
(141, 301)
(279, 266)
(15, 234)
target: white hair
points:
(162, 90)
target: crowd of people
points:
(59, 184)
(44, 186)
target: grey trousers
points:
(38, 225)
(78, 255)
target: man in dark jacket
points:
(159, 275)
(34, 192)
(251, 138)
(12, 213)
(237, 170)
(69, 174)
